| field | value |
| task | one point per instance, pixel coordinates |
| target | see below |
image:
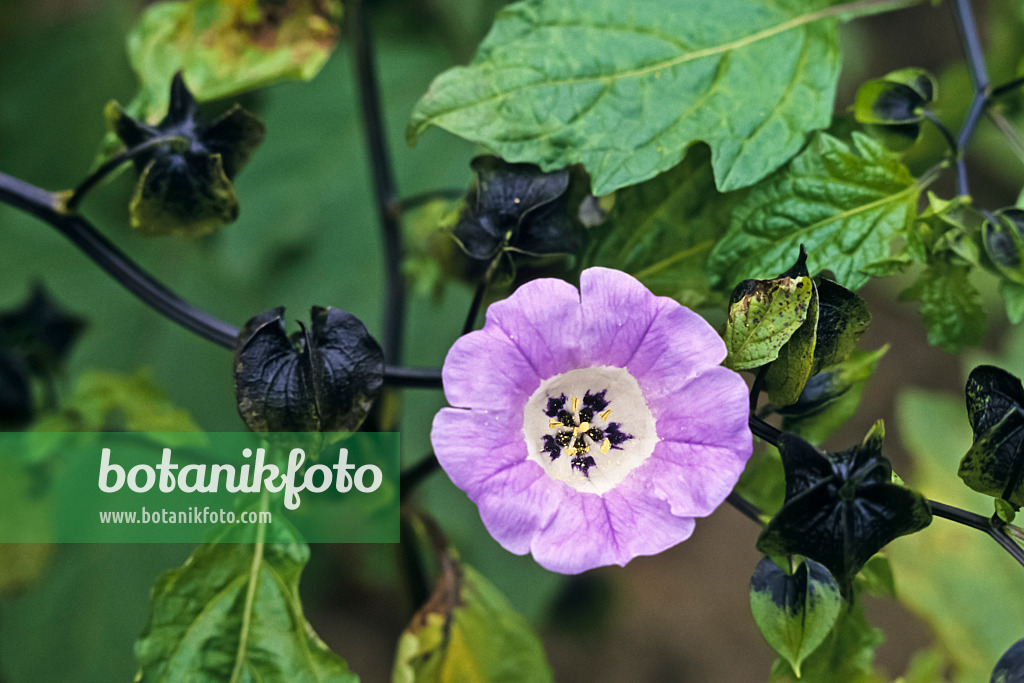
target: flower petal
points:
(679, 346)
(617, 312)
(711, 408)
(486, 458)
(592, 531)
(516, 503)
(542, 318)
(705, 443)
(693, 478)
(485, 369)
(474, 445)
(625, 325)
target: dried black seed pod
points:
(323, 378)
(185, 186)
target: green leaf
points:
(1013, 298)
(467, 631)
(232, 612)
(626, 88)
(843, 205)
(431, 256)
(876, 577)
(950, 306)
(831, 397)
(661, 231)
(847, 654)
(106, 401)
(954, 598)
(763, 481)
(226, 48)
(788, 374)
(1005, 511)
(763, 315)
(795, 612)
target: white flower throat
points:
(589, 427)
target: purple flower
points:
(591, 426)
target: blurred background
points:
(308, 235)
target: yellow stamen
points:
(605, 414)
(606, 446)
(584, 426)
(552, 423)
(570, 451)
(575, 404)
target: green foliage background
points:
(308, 236)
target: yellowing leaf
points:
(763, 315)
(226, 47)
(468, 633)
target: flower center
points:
(589, 427)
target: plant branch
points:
(963, 16)
(413, 476)
(978, 104)
(107, 167)
(478, 295)
(1008, 87)
(412, 378)
(968, 32)
(388, 206)
(745, 507)
(950, 140)
(765, 431)
(47, 207)
(976, 521)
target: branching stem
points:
(1008, 87)
(975, 521)
(941, 127)
(46, 206)
(110, 165)
(968, 32)
(412, 477)
(388, 206)
(478, 295)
